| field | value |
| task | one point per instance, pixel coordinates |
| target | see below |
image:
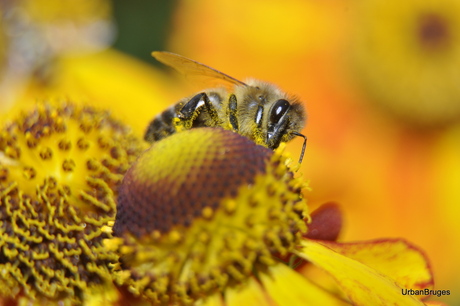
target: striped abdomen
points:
(162, 125)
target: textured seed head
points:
(172, 184)
(200, 210)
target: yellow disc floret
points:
(202, 210)
(60, 168)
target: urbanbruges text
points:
(425, 291)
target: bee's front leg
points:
(232, 109)
(190, 111)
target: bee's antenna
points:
(303, 146)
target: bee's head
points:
(286, 118)
(278, 117)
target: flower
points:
(60, 169)
(206, 214)
(405, 56)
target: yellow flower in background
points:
(59, 49)
(37, 32)
(206, 214)
(60, 171)
(406, 56)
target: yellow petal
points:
(362, 284)
(250, 294)
(213, 300)
(287, 287)
(133, 91)
(395, 258)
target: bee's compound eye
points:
(278, 110)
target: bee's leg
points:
(257, 132)
(190, 111)
(303, 146)
(232, 107)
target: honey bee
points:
(255, 109)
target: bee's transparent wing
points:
(190, 67)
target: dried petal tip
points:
(60, 168)
(200, 210)
(326, 222)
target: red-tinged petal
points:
(249, 294)
(326, 222)
(399, 260)
(362, 284)
(287, 287)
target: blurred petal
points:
(213, 300)
(133, 91)
(251, 294)
(447, 176)
(287, 287)
(129, 88)
(362, 284)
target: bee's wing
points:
(190, 67)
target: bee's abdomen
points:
(161, 126)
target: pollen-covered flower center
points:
(200, 211)
(60, 168)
